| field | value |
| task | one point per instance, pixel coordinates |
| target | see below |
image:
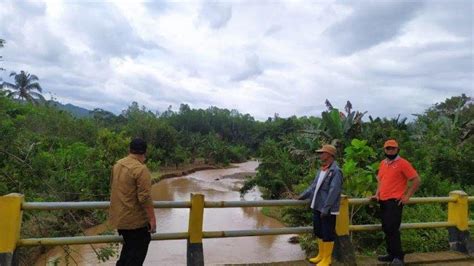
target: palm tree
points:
(24, 86)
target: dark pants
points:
(324, 228)
(391, 216)
(135, 246)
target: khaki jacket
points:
(130, 194)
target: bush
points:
(425, 239)
(238, 153)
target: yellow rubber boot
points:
(327, 259)
(320, 253)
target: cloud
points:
(104, 30)
(262, 58)
(251, 69)
(371, 23)
(215, 14)
(455, 16)
(21, 22)
(157, 7)
(273, 29)
(30, 8)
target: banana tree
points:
(338, 128)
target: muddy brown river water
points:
(216, 251)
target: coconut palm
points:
(24, 86)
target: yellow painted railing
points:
(12, 206)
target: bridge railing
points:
(12, 206)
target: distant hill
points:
(76, 111)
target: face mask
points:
(391, 157)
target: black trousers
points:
(135, 246)
(391, 216)
(324, 228)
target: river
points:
(215, 187)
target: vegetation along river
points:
(216, 185)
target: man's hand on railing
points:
(291, 195)
(374, 198)
(404, 200)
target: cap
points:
(327, 148)
(390, 143)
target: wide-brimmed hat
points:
(327, 148)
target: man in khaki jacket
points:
(131, 207)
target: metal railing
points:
(219, 234)
(458, 218)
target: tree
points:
(340, 127)
(444, 137)
(336, 127)
(24, 86)
(359, 168)
(2, 42)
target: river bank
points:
(182, 170)
(185, 169)
(215, 184)
(61, 255)
(218, 185)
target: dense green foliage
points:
(73, 156)
(439, 143)
(50, 155)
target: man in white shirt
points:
(325, 195)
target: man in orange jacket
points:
(392, 193)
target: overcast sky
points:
(259, 57)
